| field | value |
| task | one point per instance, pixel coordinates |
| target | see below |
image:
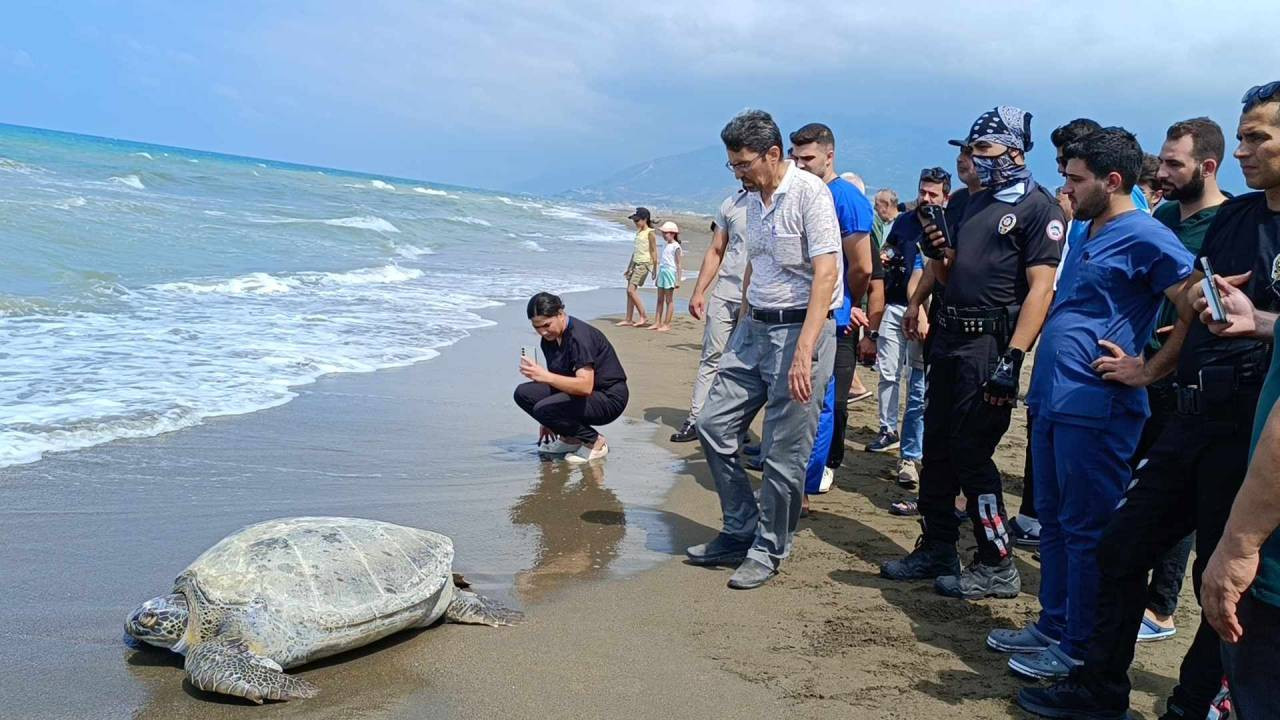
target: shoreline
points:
(644, 641)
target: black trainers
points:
(1067, 699)
(981, 581)
(929, 560)
(688, 432)
(887, 440)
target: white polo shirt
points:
(783, 239)
(732, 219)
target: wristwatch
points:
(875, 335)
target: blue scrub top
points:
(1110, 289)
(853, 210)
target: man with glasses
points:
(1192, 473)
(998, 273)
(895, 352)
(780, 356)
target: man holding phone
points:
(998, 267)
(1194, 469)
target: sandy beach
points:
(617, 626)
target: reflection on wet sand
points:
(581, 524)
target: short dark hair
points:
(752, 130)
(937, 175)
(544, 304)
(1150, 166)
(814, 133)
(1073, 131)
(1206, 138)
(1109, 150)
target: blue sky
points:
(552, 94)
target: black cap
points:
(641, 214)
(958, 143)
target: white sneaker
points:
(828, 477)
(585, 454)
(908, 473)
(557, 447)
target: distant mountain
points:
(698, 180)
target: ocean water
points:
(144, 288)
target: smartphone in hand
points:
(1211, 294)
(935, 215)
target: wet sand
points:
(617, 626)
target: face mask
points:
(994, 172)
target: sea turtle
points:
(285, 592)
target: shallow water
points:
(90, 534)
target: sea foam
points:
(131, 180)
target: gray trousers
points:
(753, 374)
(722, 316)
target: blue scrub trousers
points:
(1081, 474)
(821, 441)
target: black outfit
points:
(573, 416)
(1193, 470)
(903, 240)
(845, 363)
(1251, 663)
(1170, 568)
(995, 242)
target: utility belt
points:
(1223, 391)
(998, 321)
(789, 316)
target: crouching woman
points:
(582, 387)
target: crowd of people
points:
(1149, 297)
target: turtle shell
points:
(326, 571)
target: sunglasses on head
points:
(1260, 94)
(934, 174)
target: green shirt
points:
(1267, 587)
(1191, 232)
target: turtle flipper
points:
(228, 666)
(472, 609)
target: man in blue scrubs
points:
(1087, 425)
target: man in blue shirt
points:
(814, 149)
(1087, 425)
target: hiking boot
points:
(908, 473)
(930, 559)
(1068, 699)
(887, 440)
(980, 581)
(688, 432)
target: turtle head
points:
(160, 621)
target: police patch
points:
(1275, 269)
(1006, 223)
(1054, 230)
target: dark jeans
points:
(961, 431)
(1171, 568)
(846, 361)
(569, 415)
(1251, 663)
(1188, 483)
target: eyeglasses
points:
(741, 166)
(1260, 94)
(935, 175)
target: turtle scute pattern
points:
(324, 571)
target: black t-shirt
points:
(581, 346)
(1244, 236)
(904, 239)
(996, 241)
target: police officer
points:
(999, 283)
(1194, 469)
(1086, 424)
